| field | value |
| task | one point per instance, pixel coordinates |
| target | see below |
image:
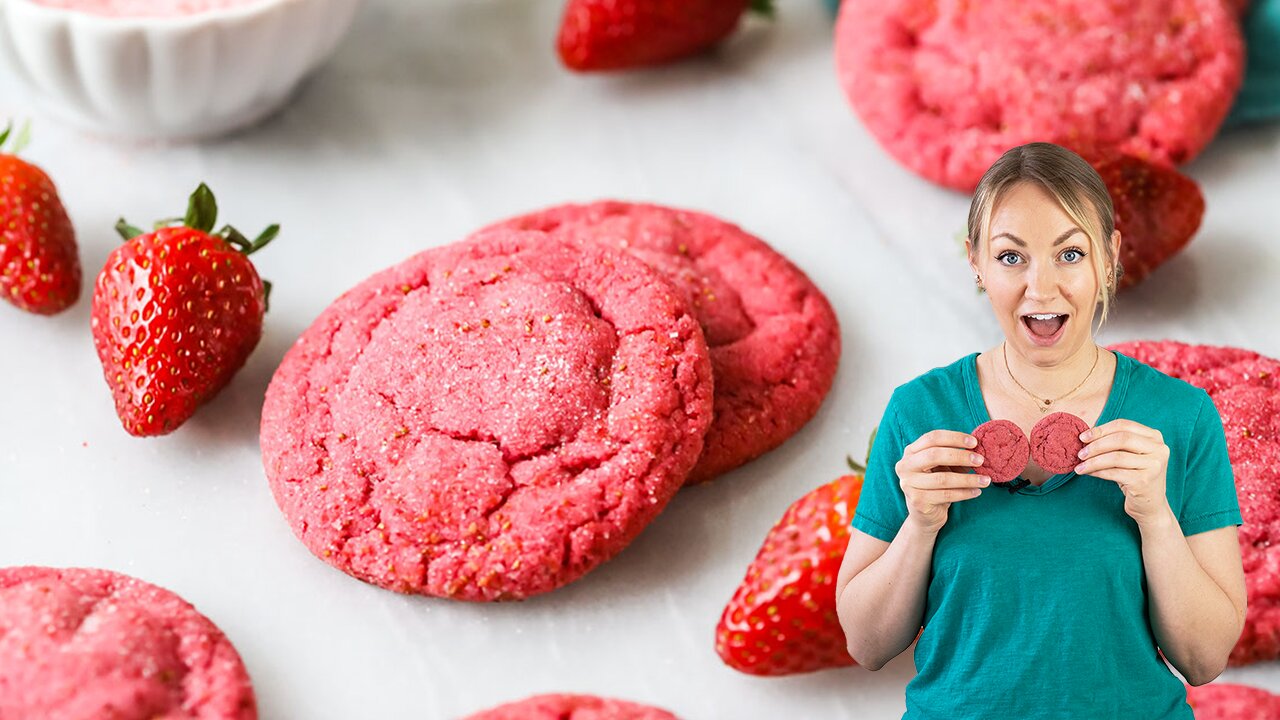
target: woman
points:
(1048, 598)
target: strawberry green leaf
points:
(235, 237)
(762, 7)
(261, 241)
(127, 231)
(8, 128)
(22, 140)
(202, 210)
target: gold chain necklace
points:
(1043, 408)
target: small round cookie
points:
(774, 337)
(1055, 442)
(1228, 701)
(488, 420)
(572, 707)
(1245, 388)
(86, 644)
(1004, 449)
(946, 88)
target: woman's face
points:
(1038, 275)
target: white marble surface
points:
(433, 119)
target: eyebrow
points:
(1061, 238)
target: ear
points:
(1116, 241)
(968, 254)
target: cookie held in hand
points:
(1004, 449)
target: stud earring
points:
(977, 280)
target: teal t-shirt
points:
(1037, 600)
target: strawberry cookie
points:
(1228, 701)
(774, 338)
(572, 707)
(1055, 442)
(488, 420)
(1245, 388)
(946, 88)
(84, 644)
(1004, 449)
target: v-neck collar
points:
(980, 415)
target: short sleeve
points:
(882, 508)
(1209, 495)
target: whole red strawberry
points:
(782, 619)
(176, 313)
(1157, 210)
(618, 34)
(39, 265)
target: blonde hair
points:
(1074, 184)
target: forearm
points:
(882, 606)
(1194, 621)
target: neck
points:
(1052, 379)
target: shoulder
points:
(933, 398)
(1174, 395)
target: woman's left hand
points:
(1134, 457)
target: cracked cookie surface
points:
(1055, 442)
(87, 644)
(947, 87)
(1004, 449)
(488, 420)
(1245, 388)
(774, 337)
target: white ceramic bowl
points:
(181, 77)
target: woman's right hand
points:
(932, 476)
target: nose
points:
(1042, 281)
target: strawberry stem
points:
(266, 295)
(862, 467)
(127, 231)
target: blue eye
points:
(1079, 255)
(1001, 258)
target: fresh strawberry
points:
(176, 313)
(782, 619)
(1157, 210)
(39, 265)
(619, 34)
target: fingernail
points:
(1079, 469)
(1084, 453)
(985, 480)
(976, 458)
(1086, 436)
(971, 441)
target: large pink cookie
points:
(1227, 701)
(84, 644)
(947, 87)
(1245, 387)
(1004, 450)
(774, 338)
(1055, 442)
(488, 420)
(572, 707)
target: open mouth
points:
(1045, 327)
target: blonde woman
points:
(1054, 597)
